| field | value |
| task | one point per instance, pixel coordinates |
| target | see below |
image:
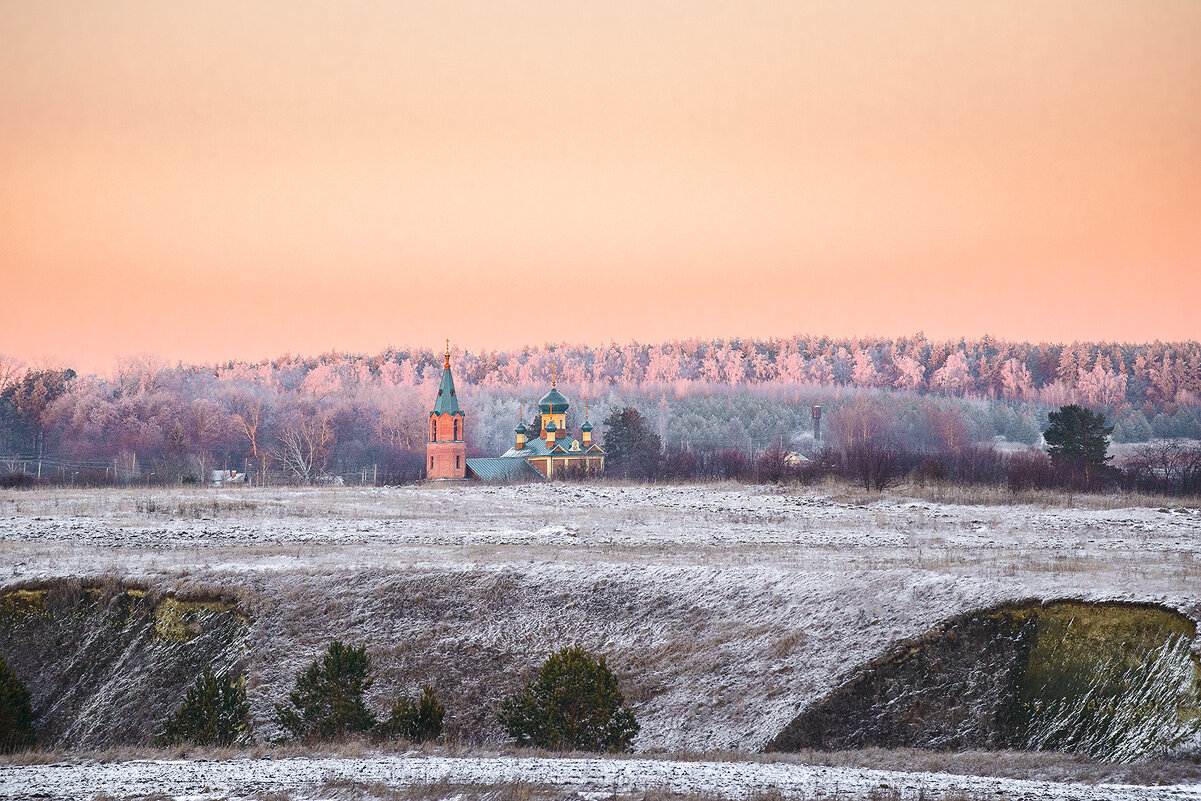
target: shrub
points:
(214, 712)
(574, 704)
(328, 700)
(16, 481)
(1027, 470)
(416, 721)
(16, 713)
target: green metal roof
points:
(447, 402)
(499, 470)
(537, 447)
(553, 402)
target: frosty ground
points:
(725, 609)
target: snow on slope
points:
(725, 609)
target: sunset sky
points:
(225, 180)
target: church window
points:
(431, 463)
(456, 432)
(433, 430)
(456, 463)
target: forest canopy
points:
(338, 413)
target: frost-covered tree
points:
(911, 374)
(954, 377)
(1016, 381)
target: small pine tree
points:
(574, 704)
(214, 712)
(16, 713)
(417, 722)
(328, 700)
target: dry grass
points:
(350, 790)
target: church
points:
(544, 453)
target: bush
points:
(417, 721)
(574, 704)
(1027, 470)
(16, 481)
(214, 712)
(16, 713)
(328, 700)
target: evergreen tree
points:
(328, 700)
(574, 704)
(1077, 437)
(416, 722)
(214, 712)
(631, 448)
(16, 713)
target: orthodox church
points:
(544, 453)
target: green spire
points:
(447, 402)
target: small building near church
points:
(548, 451)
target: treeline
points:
(364, 417)
(869, 447)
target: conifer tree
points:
(214, 712)
(574, 704)
(416, 722)
(1077, 437)
(16, 713)
(632, 448)
(328, 700)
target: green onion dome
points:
(553, 403)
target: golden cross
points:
(552, 375)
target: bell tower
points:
(446, 449)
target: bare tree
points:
(11, 371)
(304, 444)
(401, 421)
(1166, 465)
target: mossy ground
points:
(1116, 681)
(106, 663)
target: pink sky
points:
(210, 181)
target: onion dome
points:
(586, 427)
(553, 402)
(520, 428)
(550, 426)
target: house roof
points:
(499, 469)
(447, 402)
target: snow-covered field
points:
(725, 609)
(169, 531)
(589, 777)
